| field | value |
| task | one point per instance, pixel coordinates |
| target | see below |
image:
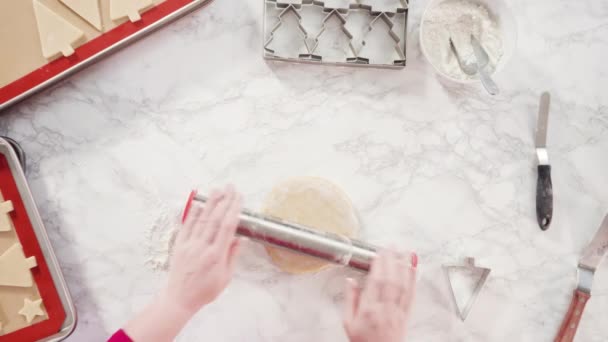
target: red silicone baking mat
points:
(42, 276)
(95, 49)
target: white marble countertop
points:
(443, 170)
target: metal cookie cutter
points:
(337, 12)
(469, 266)
(364, 4)
(312, 49)
(293, 9)
(384, 17)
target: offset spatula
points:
(588, 263)
(544, 186)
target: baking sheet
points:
(20, 41)
(23, 70)
(11, 297)
(32, 236)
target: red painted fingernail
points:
(414, 260)
(188, 205)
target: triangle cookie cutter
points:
(468, 265)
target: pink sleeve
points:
(120, 336)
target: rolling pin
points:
(334, 248)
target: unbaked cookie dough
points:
(311, 202)
(31, 309)
(129, 8)
(5, 220)
(87, 9)
(57, 35)
(15, 267)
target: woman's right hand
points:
(205, 251)
(202, 264)
(380, 310)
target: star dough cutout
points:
(31, 309)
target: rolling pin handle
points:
(188, 205)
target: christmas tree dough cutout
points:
(128, 8)
(5, 220)
(87, 9)
(57, 35)
(15, 267)
(31, 309)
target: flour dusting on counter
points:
(459, 20)
(160, 239)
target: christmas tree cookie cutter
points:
(383, 17)
(304, 37)
(337, 13)
(469, 266)
(367, 5)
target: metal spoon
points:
(471, 67)
(482, 61)
(468, 66)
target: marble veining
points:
(439, 168)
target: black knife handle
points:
(544, 197)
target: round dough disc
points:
(314, 203)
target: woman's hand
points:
(380, 311)
(201, 266)
(205, 251)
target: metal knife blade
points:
(541, 129)
(592, 256)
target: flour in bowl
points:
(459, 19)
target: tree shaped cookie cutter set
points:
(464, 307)
(380, 42)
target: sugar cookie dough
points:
(31, 309)
(5, 220)
(57, 35)
(315, 203)
(15, 267)
(128, 8)
(87, 9)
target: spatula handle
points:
(573, 317)
(544, 197)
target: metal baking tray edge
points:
(107, 51)
(26, 196)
